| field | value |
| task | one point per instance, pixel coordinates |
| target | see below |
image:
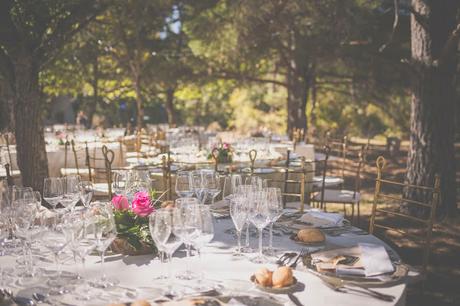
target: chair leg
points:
(352, 213)
(358, 204)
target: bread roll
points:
(311, 235)
(140, 303)
(264, 277)
(282, 277)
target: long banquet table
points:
(219, 264)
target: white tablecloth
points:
(218, 264)
(56, 156)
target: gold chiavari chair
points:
(387, 204)
(343, 196)
(338, 153)
(100, 175)
(75, 170)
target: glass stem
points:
(247, 234)
(104, 277)
(170, 278)
(238, 234)
(200, 258)
(260, 241)
(270, 242)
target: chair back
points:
(382, 196)
(338, 149)
(98, 172)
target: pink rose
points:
(141, 204)
(226, 146)
(120, 202)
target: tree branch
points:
(395, 26)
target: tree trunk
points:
(433, 102)
(298, 88)
(94, 82)
(170, 110)
(140, 108)
(27, 108)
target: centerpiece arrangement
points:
(223, 153)
(132, 221)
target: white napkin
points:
(331, 218)
(375, 259)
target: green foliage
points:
(133, 228)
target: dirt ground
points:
(442, 286)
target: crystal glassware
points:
(259, 215)
(71, 194)
(183, 185)
(239, 215)
(86, 190)
(275, 206)
(210, 183)
(53, 191)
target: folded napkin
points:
(372, 260)
(321, 218)
(375, 259)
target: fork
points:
(302, 253)
(285, 258)
(339, 286)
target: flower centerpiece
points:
(132, 221)
(223, 152)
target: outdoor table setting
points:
(78, 255)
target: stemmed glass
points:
(197, 185)
(186, 228)
(210, 183)
(275, 206)
(119, 181)
(231, 184)
(71, 194)
(86, 190)
(246, 191)
(164, 228)
(183, 184)
(259, 215)
(53, 191)
(55, 241)
(159, 234)
(180, 202)
(239, 214)
(205, 226)
(105, 232)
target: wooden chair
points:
(101, 176)
(76, 170)
(343, 196)
(394, 203)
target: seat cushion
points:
(338, 196)
(74, 171)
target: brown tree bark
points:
(170, 109)
(139, 106)
(433, 101)
(27, 109)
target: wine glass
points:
(211, 184)
(246, 191)
(275, 203)
(205, 225)
(105, 232)
(137, 180)
(119, 181)
(259, 215)
(71, 194)
(55, 241)
(196, 179)
(180, 202)
(164, 227)
(239, 214)
(53, 191)
(183, 184)
(231, 184)
(159, 237)
(185, 228)
(86, 190)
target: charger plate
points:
(400, 272)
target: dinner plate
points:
(283, 290)
(399, 273)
